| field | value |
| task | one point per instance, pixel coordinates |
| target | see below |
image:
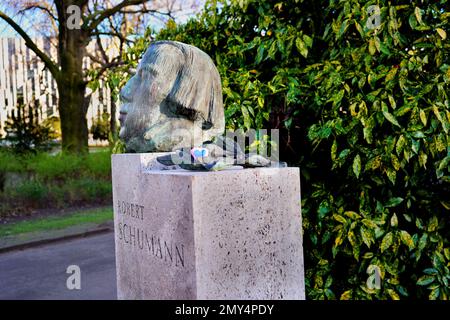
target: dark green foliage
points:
(101, 128)
(364, 112)
(37, 181)
(25, 133)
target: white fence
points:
(24, 80)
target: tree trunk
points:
(72, 111)
(71, 84)
(113, 121)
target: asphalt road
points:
(40, 272)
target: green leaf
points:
(360, 29)
(339, 218)
(357, 165)
(384, 49)
(423, 117)
(418, 135)
(434, 294)
(390, 117)
(260, 54)
(423, 242)
(369, 223)
(301, 47)
(393, 202)
(430, 271)
(373, 163)
(334, 150)
(387, 241)
(438, 260)
(366, 236)
(391, 174)
(433, 224)
(401, 143)
(391, 74)
(425, 280)
(422, 159)
(324, 208)
(308, 40)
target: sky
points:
(187, 11)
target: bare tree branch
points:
(114, 63)
(94, 58)
(40, 7)
(91, 23)
(169, 13)
(52, 67)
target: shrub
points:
(366, 115)
(53, 181)
(33, 191)
(60, 166)
(88, 189)
(98, 164)
(25, 133)
(101, 127)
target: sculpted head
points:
(174, 100)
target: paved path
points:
(40, 272)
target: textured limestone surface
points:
(233, 234)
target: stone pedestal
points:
(233, 234)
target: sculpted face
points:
(173, 100)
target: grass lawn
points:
(51, 223)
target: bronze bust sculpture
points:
(174, 100)
(174, 103)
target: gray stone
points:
(232, 234)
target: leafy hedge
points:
(34, 181)
(365, 113)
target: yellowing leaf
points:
(401, 142)
(391, 118)
(347, 295)
(353, 215)
(339, 218)
(366, 236)
(372, 48)
(418, 14)
(393, 294)
(391, 174)
(352, 238)
(357, 166)
(395, 162)
(423, 117)
(442, 33)
(387, 241)
(407, 239)
(423, 159)
(301, 47)
(394, 220)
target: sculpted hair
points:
(197, 92)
